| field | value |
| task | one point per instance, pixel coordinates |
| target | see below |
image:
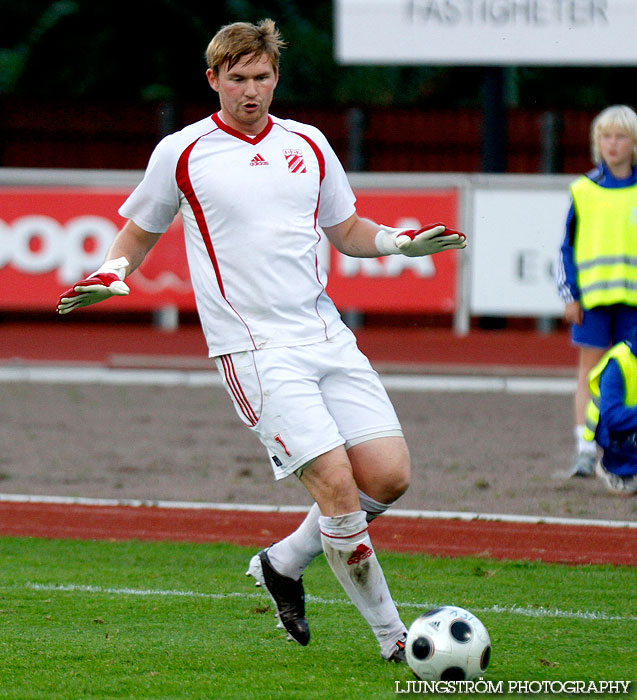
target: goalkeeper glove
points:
(430, 239)
(106, 282)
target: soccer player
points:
(256, 193)
(597, 271)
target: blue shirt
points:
(616, 431)
(567, 270)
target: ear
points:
(213, 80)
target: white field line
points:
(264, 508)
(540, 612)
(54, 374)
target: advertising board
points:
(52, 236)
(515, 250)
(486, 32)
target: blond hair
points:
(615, 117)
(235, 41)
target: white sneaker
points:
(622, 486)
(584, 464)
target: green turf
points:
(82, 620)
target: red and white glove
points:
(106, 282)
(430, 239)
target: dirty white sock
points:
(372, 507)
(292, 554)
(351, 556)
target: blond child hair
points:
(614, 117)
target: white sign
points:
(515, 243)
(483, 32)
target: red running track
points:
(110, 343)
(572, 544)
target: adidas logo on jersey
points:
(259, 160)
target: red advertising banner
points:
(396, 282)
(51, 237)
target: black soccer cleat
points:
(288, 596)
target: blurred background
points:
(91, 86)
(94, 84)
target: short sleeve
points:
(154, 203)
(337, 202)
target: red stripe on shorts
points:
(237, 390)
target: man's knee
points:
(397, 483)
(330, 482)
(382, 468)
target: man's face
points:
(245, 92)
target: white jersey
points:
(251, 209)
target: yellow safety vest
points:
(628, 366)
(605, 243)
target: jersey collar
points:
(237, 134)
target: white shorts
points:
(305, 400)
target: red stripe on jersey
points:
(237, 390)
(185, 185)
(321, 164)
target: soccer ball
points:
(449, 644)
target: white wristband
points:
(386, 241)
(116, 267)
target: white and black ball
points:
(448, 643)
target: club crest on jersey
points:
(259, 160)
(294, 159)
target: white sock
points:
(586, 446)
(371, 507)
(351, 556)
(291, 555)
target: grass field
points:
(85, 619)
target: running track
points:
(500, 539)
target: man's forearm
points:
(132, 243)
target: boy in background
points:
(597, 270)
